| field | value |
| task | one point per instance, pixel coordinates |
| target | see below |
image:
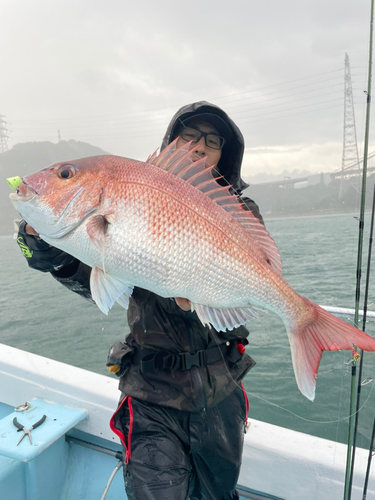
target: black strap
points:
(164, 360)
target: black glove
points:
(39, 254)
(119, 358)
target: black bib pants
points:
(171, 454)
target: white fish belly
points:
(153, 249)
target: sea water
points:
(319, 256)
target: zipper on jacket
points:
(204, 413)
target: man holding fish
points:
(183, 411)
(170, 240)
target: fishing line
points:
(287, 268)
(281, 407)
(290, 270)
(307, 419)
(339, 407)
(312, 287)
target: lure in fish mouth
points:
(167, 226)
(24, 193)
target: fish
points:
(168, 225)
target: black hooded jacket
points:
(230, 163)
(169, 357)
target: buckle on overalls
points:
(188, 360)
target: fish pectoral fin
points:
(106, 289)
(224, 319)
(97, 227)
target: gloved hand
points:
(39, 254)
(119, 358)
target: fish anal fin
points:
(107, 289)
(223, 319)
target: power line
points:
(156, 122)
(166, 110)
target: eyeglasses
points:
(212, 140)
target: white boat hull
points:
(277, 462)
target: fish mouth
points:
(23, 193)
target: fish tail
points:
(320, 332)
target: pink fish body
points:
(167, 226)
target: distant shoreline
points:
(307, 213)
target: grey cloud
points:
(113, 73)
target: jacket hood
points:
(230, 162)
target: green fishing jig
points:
(14, 182)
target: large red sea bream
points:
(166, 225)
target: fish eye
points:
(66, 172)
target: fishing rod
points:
(349, 461)
(359, 387)
(371, 452)
(361, 363)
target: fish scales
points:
(155, 215)
(169, 227)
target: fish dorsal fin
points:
(179, 163)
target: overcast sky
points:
(113, 73)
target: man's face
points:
(200, 148)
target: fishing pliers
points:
(27, 431)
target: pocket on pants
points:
(121, 423)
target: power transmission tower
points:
(350, 166)
(3, 135)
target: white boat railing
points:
(344, 311)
